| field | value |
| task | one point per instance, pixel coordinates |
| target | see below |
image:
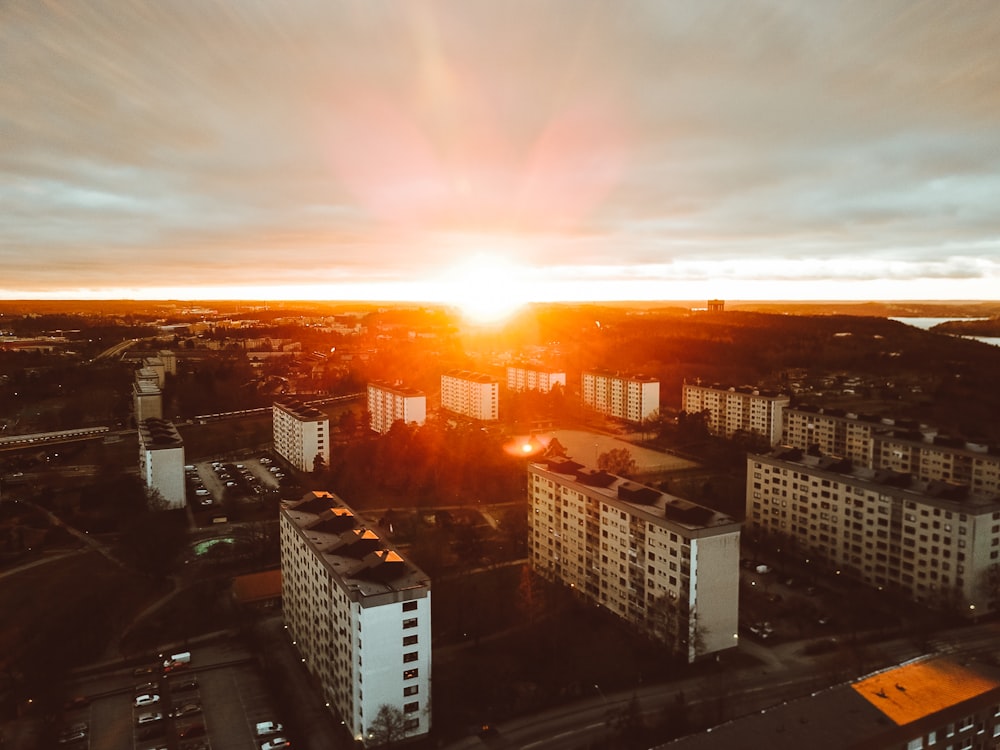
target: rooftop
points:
(159, 433)
(300, 410)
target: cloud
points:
(360, 142)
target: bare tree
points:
(388, 726)
(617, 461)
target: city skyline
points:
(489, 154)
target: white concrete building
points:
(471, 394)
(831, 432)
(668, 566)
(169, 360)
(301, 433)
(929, 456)
(389, 403)
(161, 461)
(359, 614)
(731, 409)
(934, 542)
(629, 397)
(527, 378)
(147, 401)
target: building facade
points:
(832, 432)
(933, 542)
(147, 401)
(301, 433)
(525, 378)
(730, 409)
(931, 457)
(389, 403)
(161, 461)
(358, 613)
(632, 398)
(667, 566)
(471, 394)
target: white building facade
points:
(389, 403)
(161, 461)
(471, 394)
(632, 398)
(301, 433)
(667, 566)
(147, 401)
(934, 542)
(524, 378)
(731, 409)
(358, 613)
(831, 432)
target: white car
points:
(264, 728)
(276, 744)
(148, 718)
(146, 699)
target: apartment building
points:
(471, 394)
(667, 566)
(527, 378)
(732, 409)
(392, 402)
(632, 398)
(832, 432)
(301, 433)
(934, 542)
(358, 613)
(932, 702)
(929, 456)
(147, 401)
(161, 461)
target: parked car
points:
(276, 744)
(146, 699)
(179, 686)
(191, 730)
(150, 717)
(145, 671)
(265, 728)
(187, 709)
(146, 687)
(73, 733)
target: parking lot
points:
(214, 703)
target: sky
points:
(502, 149)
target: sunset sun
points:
(486, 288)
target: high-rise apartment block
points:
(935, 541)
(301, 433)
(389, 403)
(831, 432)
(632, 398)
(471, 394)
(731, 409)
(668, 566)
(161, 461)
(526, 378)
(359, 614)
(147, 401)
(885, 443)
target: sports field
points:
(584, 447)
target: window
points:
(409, 606)
(409, 640)
(410, 656)
(411, 724)
(411, 690)
(410, 708)
(410, 623)
(409, 674)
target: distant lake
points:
(928, 323)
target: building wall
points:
(632, 398)
(635, 562)
(147, 404)
(731, 410)
(533, 379)
(300, 435)
(162, 469)
(936, 551)
(367, 645)
(832, 434)
(387, 404)
(470, 394)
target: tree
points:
(388, 726)
(617, 461)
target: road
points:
(726, 694)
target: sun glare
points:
(485, 288)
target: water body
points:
(928, 323)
